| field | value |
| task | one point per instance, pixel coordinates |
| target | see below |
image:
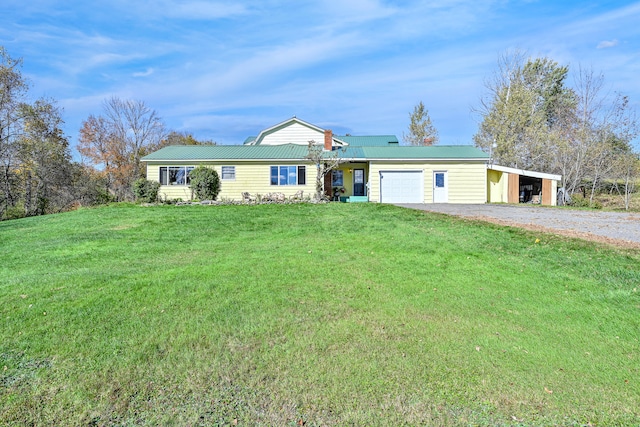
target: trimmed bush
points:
(205, 183)
(146, 191)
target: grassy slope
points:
(331, 314)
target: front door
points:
(358, 182)
(440, 184)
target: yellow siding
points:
(497, 186)
(169, 192)
(250, 177)
(467, 182)
(255, 179)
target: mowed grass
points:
(336, 314)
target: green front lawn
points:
(336, 314)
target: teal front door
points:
(358, 182)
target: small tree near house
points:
(325, 161)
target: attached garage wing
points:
(405, 186)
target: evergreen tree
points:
(421, 129)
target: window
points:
(175, 175)
(337, 178)
(288, 175)
(228, 173)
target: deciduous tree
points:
(526, 100)
(626, 176)
(98, 146)
(13, 90)
(182, 138)
(531, 119)
(324, 161)
(45, 159)
(117, 140)
(599, 130)
(35, 160)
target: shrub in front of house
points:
(146, 191)
(205, 183)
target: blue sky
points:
(226, 70)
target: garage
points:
(405, 186)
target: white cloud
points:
(607, 44)
(146, 73)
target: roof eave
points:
(525, 172)
(351, 159)
(430, 159)
(223, 160)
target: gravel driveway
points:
(619, 228)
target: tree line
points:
(37, 172)
(37, 175)
(532, 118)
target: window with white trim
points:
(228, 173)
(288, 175)
(175, 175)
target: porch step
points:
(354, 199)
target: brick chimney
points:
(328, 140)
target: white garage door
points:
(401, 187)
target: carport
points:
(511, 185)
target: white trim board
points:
(525, 172)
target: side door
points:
(440, 187)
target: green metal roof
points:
(434, 152)
(228, 152)
(370, 141)
(298, 152)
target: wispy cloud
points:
(605, 44)
(146, 73)
(612, 17)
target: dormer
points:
(295, 131)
